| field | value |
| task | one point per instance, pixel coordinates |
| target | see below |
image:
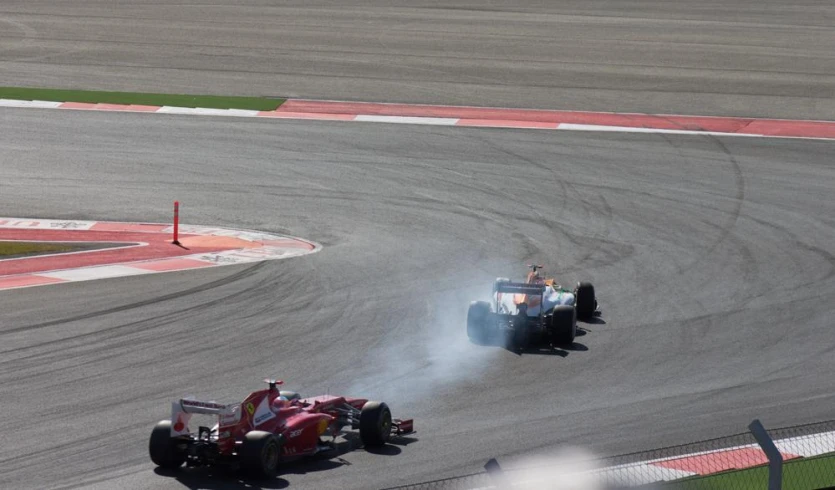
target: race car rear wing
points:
(520, 288)
(196, 406)
(517, 288)
(182, 410)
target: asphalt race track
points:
(713, 257)
(760, 58)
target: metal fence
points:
(733, 462)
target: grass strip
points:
(134, 98)
(798, 474)
(9, 249)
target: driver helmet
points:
(280, 402)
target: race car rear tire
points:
(477, 321)
(259, 454)
(375, 424)
(163, 448)
(563, 325)
(586, 302)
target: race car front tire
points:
(586, 302)
(563, 325)
(163, 448)
(477, 321)
(375, 424)
(259, 453)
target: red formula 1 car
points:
(267, 427)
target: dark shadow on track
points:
(218, 479)
(576, 347)
(314, 465)
(542, 350)
(333, 459)
(387, 450)
(209, 478)
(595, 320)
(548, 350)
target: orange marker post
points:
(176, 222)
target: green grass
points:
(801, 474)
(28, 248)
(177, 100)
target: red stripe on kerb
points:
(130, 108)
(307, 115)
(111, 107)
(705, 464)
(171, 265)
(143, 108)
(21, 281)
(77, 105)
(802, 129)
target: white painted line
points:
(434, 121)
(250, 236)
(241, 113)
(199, 111)
(40, 256)
(627, 129)
(807, 446)
(48, 224)
(166, 109)
(244, 256)
(39, 104)
(642, 474)
(90, 273)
